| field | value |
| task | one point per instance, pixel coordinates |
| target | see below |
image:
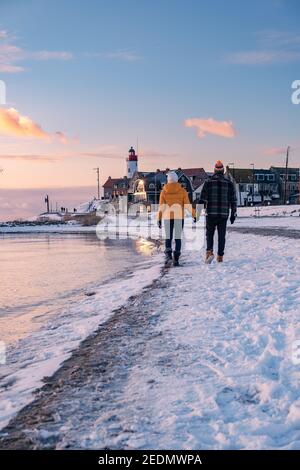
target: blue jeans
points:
(173, 229)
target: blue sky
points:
(104, 72)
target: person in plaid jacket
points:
(218, 194)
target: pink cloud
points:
(211, 126)
(275, 151)
(11, 55)
(12, 123)
(10, 68)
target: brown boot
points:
(209, 256)
(220, 259)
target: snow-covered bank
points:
(42, 352)
(270, 211)
(279, 222)
(53, 228)
(222, 372)
(204, 360)
(219, 374)
(267, 216)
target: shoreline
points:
(21, 429)
(168, 368)
(42, 352)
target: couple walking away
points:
(219, 198)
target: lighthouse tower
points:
(132, 163)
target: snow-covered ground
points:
(221, 369)
(55, 228)
(268, 216)
(270, 211)
(275, 222)
(213, 365)
(41, 353)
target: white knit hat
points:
(172, 177)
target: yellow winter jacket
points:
(173, 200)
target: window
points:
(260, 177)
(271, 177)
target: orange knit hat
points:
(219, 167)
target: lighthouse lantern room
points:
(132, 163)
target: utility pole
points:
(299, 185)
(286, 174)
(253, 184)
(98, 180)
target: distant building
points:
(197, 177)
(115, 187)
(132, 163)
(146, 186)
(258, 186)
(292, 184)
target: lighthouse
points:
(132, 163)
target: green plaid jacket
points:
(218, 194)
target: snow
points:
(69, 227)
(41, 353)
(219, 373)
(91, 206)
(272, 222)
(270, 211)
(220, 370)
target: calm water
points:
(41, 273)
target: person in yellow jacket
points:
(173, 201)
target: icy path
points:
(202, 360)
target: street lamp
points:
(232, 164)
(98, 180)
(253, 185)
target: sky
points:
(192, 81)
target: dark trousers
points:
(173, 229)
(211, 224)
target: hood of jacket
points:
(172, 188)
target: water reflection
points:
(41, 274)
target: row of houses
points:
(273, 186)
(253, 186)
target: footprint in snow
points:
(245, 396)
